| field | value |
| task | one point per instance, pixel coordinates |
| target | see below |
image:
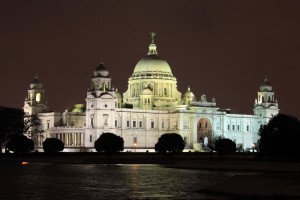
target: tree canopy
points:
(280, 137)
(11, 122)
(32, 123)
(53, 145)
(109, 143)
(224, 146)
(170, 142)
(20, 144)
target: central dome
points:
(152, 66)
(152, 63)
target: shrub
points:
(224, 146)
(109, 143)
(170, 142)
(20, 144)
(53, 145)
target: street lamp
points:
(134, 144)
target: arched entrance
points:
(204, 133)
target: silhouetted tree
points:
(11, 123)
(109, 143)
(53, 145)
(280, 137)
(170, 142)
(14, 122)
(224, 146)
(32, 126)
(20, 144)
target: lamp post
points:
(134, 144)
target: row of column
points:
(70, 139)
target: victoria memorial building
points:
(150, 107)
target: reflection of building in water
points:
(150, 107)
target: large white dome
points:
(152, 66)
(152, 63)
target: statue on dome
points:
(152, 36)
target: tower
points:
(35, 100)
(100, 106)
(266, 106)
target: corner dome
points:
(36, 83)
(266, 86)
(189, 94)
(118, 94)
(78, 108)
(101, 70)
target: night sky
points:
(223, 49)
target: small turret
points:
(265, 104)
(118, 98)
(101, 79)
(188, 97)
(35, 99)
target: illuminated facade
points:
(150, 107)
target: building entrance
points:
(204, 132)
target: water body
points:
(65, 181)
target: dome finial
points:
(101, 60)
(189, 89)
(152, 46)
(36, 75)
(266, 79)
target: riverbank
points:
(268, 178)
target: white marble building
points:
(150, 107)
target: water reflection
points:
(63, 181)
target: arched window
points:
(38, 97)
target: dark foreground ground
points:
(273, 180)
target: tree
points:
(109, 143)
(11, 123)
(53, 145)
(20, 144)
(224, 146)
(32, 126)
(170, 142)
(280, 137)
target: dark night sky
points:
(220, 48)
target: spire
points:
(189, 89)
(152, 46)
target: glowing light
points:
(24, 163)
(38, 97)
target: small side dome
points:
(78, 108)
(118, 94)
(36, 83)
(101, 70)
(266, 86)
(189, 94)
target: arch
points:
(204, 131)
(38, 97)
